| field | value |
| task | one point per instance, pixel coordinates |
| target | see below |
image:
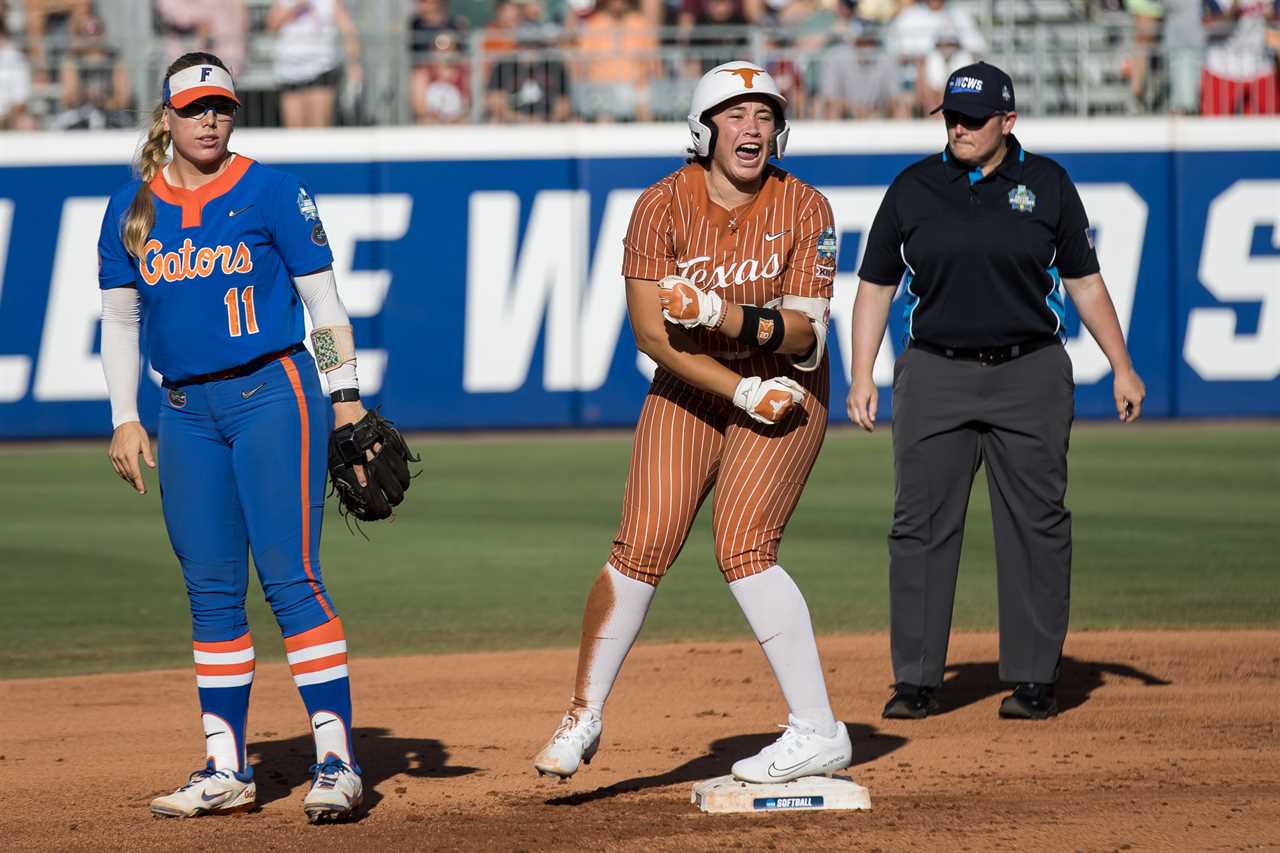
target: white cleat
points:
(575, 742)
(800, 751)
(336, 792)
(208, 791)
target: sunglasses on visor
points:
(953, 118)
(197, 109)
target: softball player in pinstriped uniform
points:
(729, 264)
(215, 252)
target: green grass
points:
(500, 539)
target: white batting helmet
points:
(729, 81)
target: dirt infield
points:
(1167, 740)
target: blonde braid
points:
(141, 217)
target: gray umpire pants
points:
(950, 417)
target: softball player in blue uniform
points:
(215, 255)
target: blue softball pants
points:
(242, 468)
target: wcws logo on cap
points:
(965, 84)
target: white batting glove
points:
(769, 400)
(686, 305)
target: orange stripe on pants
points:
(240, 643)
(329, 632)
(295, 381)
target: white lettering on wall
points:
(15, 370)
(1213, 347)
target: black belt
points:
(243, 369)
(988, 355)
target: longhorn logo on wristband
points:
(764, 331)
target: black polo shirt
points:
(983, 257)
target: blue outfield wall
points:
(481, 265)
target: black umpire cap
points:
(978, 90)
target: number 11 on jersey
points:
(232, 300)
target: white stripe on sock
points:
(224, 680)
(321, 651)
(321, 676)
(222, 658)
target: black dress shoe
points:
(1030, 702)
(910, 702)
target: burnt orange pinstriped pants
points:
(688, 441)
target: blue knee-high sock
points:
(318, 660)
(224, 677)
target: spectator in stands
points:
(877, 11)
(432, 19)
(530, 87)
(1146, 15)
(500, 34)
(859, 78)
(440, 82)
(216, 26)
(753, 11)
(1240, 66)
(914, 34)
(308, 64)
(94, 83)
(916, 29)
(786, 65)
(1184, 41)
(719, 34)
(532, 22)
(49, 25)
(15, 83)
(946, 56)
(809, 22)
(617, 45)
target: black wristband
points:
(345, 395)
(762, 328)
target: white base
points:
(726, 794)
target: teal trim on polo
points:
(1055, 301)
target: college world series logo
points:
(1022, 199)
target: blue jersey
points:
(215, 274)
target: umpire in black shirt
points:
(983, 236)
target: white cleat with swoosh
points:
(800, 751)
(208, 791)
(574, 743)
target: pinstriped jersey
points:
(781, 243)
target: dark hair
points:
(141, 217)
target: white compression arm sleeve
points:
(319, 292)
(121, 362)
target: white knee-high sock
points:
(778, 615)
(616, 607)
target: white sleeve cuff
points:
(818, 311)
(121, 362)
(319, 293)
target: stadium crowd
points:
(81, 64)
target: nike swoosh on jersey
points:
(211, 734)
(783, 771)
(254, 390)
(771, 237)
(325, 723)
(234, 213)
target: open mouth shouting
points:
(748, 153)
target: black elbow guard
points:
(762, 327)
